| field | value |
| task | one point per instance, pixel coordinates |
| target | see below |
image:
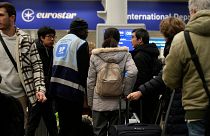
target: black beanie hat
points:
(78, 24)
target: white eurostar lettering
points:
(54, 15)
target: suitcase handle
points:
(137, 124)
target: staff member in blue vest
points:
(69, 75)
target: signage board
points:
(59, 14)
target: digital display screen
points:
(160, 42)
(125, 38)
(126, 35)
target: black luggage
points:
(134, 129)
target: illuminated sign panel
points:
(58, 14)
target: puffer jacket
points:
(97, 102)
(180, 70)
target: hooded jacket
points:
(100, 56)
(143, 57)
(180, 70)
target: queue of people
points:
(41, 77)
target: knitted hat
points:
(78, 24)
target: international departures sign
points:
(34, 14)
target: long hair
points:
(111, 37)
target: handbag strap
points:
(8, 52)
(196, 61)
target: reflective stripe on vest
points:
(68, 83)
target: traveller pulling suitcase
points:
(134, 129)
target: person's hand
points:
(134, 95)
(40, 96)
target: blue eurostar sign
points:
(58, 15)
(34, 14)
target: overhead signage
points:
(151, 13)
(34, 14)
(57, 14)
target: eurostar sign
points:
(58, 14)
(28, 15)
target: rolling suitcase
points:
(134, 129)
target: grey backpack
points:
(109, 81)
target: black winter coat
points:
(46, 55)
(176, 124)
(154, 86)
(144, 57)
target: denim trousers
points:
(196, 128)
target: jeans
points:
(196, 128)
